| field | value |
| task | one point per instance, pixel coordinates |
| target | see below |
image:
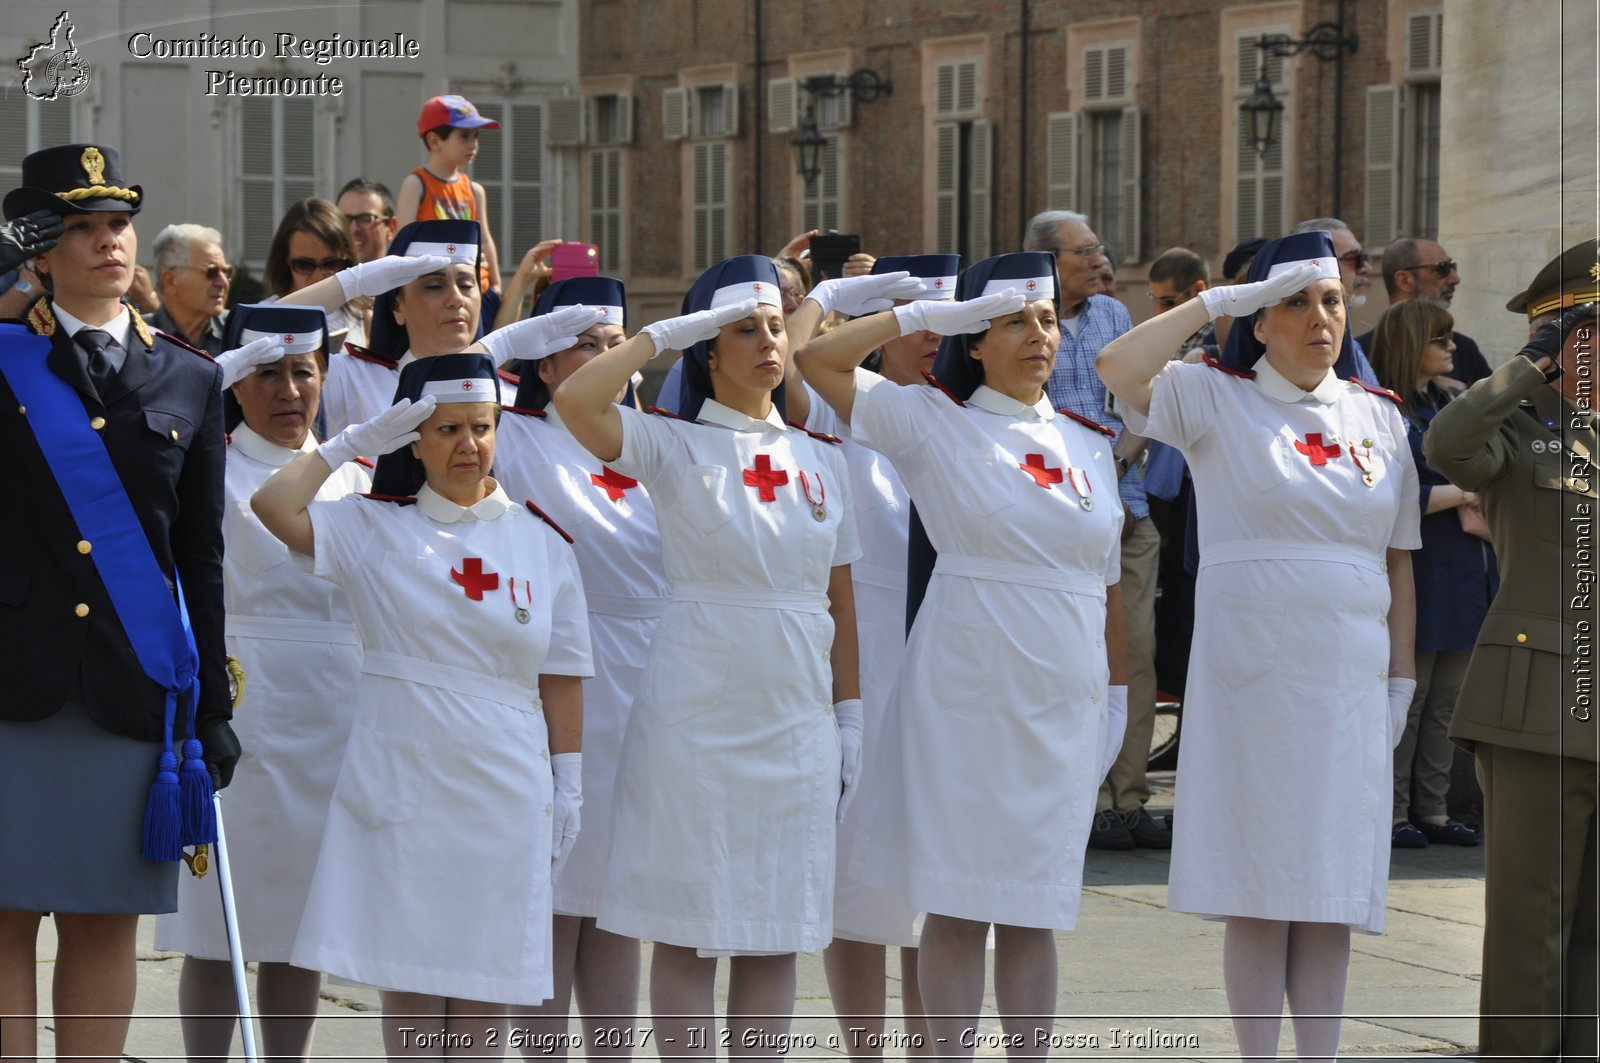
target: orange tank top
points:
(449, 200)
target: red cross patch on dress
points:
(474, 580)
(1314, 448)
(1042, 474)
(612, 482)
(764, 478)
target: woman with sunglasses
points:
(313, 242)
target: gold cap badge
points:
(94, 164)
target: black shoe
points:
(1452, 832)
(1145, 831)
(1108, 832)
(1406, 836)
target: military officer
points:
(88, 732)
(1524, 439)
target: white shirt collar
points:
(252, 444)
(439, 508)
(1277, 386)
(405, 359)
(714, 412)
(987, 398)
(118, 327)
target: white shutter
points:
(568, 116)
(258, 211)
(624, 128)
(298, 150)
(944, 90)
(1130, 163)
(1424, 43)
(730, 109)
(710, 202)
(783, 104)
(675, 119)
(980, 218)
(946, 173)
(1094, 75)
(1116, 73)
(605, 207)
(967, 87)
(1384, 103)
(489, 170)
(1061, 148)
(527, 141)
(956, 90)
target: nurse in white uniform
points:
(748, 720)
(613, 524)
(461, 784)
(1002, 715)
(1302, 670)
(296, 640)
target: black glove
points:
(30, 235)
(1551, 337)
(220, 749)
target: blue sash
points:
(156, 625)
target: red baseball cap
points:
(454, 111)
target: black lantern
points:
(808, 144)
(863, 86)
(1261, 112)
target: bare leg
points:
(413, 1025)
(286, 998)
(918, 1040)
(1025, 978)
(606, 981)
(856, 971)
(950, 973)
(19, 991)
(474, 1029)
(547, 1023)
(1254, 958)
(94, 985)
(209, 1009)
(760, 1005)
(682, 995)
(1319, 966)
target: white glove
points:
(387, 273)
(1242, 300)
(681, 333)
(535, 337)
(389, 430)
(953, 319)
(865, 295)
(847, 716)
(567, 771)
(1401, 690)
(242, 361)
(1116, 727)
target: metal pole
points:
(230, 919)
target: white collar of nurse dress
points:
(437, 507)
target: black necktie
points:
(101, 371)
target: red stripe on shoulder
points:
(175, 341)
(366, 354)
(1248, 374)
(509, 378)
(400, 500)
(930, 378)
(1081, 419)
(1383, 393)
(363, 461)
(524, 411)
(825, 437)
(542, 515)
(659, 412)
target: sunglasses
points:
(1165, 302)
(215, 273)
(1084, 251)
(1358, 257)
(306, 266)
(366, 221)
(1443, 269)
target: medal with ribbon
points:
(1363, 460)
(521, 608)
(819, 509)
(1079, 479)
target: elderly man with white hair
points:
(192, 276)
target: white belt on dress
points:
(888, 579)
(760, 598)
(449, 677)
(1055, 579)
(641, 607)
(1290, 550)
(286, 629)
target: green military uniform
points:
(1527, 708)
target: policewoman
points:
(1302, 669)
(732, 763)
(296, 639)
(111, 611)
(461, 783)
(613, 524)
(1000, 719)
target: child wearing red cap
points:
(448, 126)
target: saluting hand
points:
(242, 361)
(535, 337)
(954, 319)
(681, 333)
(387, 273)
(865, 295)
(1242, 300)
(389, 430)
(28, 236)
(1545, 345)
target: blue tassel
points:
(199, 817)
(163, 820)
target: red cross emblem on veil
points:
(289, 338)
(449, 249)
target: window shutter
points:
(1130, 162)
(1383, 163)
(489, 170)
(719, 200)
(299, 152)
(1094, 75)
(710, 202)
(1424, 43)
(730, 109)
(956, 89)
(567, 120)
(980, 231)
(1116, 73)
(527, 142)
(605, 206)
(967, 88)
(944, 90)
(624, 118)
(1061, 139)
(257, 209)
(674, 114)
(783, 104)
(946, 173)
